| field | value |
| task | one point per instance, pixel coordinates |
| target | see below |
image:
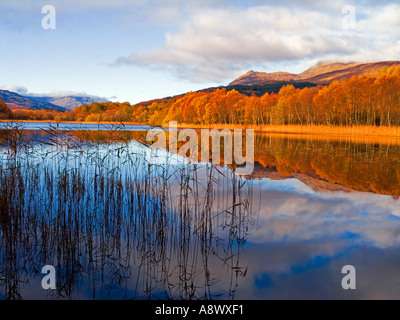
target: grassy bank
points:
(364, 131)
(310, 129)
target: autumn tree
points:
(5, 112)
(282, 112)
(361, 100)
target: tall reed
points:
(114, 225)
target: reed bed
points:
(113, 224)
(332, 130)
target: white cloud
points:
(292, 212)
(215, 44)
(54, 94)
(217, 40)
(15, 88)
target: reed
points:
(113, 224)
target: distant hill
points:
(322, 73)
(324, 68)
(259, 83)
(16, 101)
(252, 77)
(248, 90)
(327, 73)
(267, 87)
(69, 102)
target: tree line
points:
(360, 100)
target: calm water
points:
(115, 226)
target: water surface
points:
(116, 227)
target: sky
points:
(141, 50)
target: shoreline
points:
(363, 131)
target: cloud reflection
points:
(305, 237)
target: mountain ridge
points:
(253, 77)
(321, 73)
(17, 101)
(63, 103)
(71, 101)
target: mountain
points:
(253, 77)
(323, 68)
(16, 101)
(248, 90)
(69, 102)
(322, 73)
(327, 73)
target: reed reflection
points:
(115, 226)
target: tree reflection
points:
(367, 166)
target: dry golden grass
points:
(364, 131)
(382, 140)
(363, 134)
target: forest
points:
(359, 101)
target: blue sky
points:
(140, 50)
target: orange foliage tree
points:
(363, 100)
